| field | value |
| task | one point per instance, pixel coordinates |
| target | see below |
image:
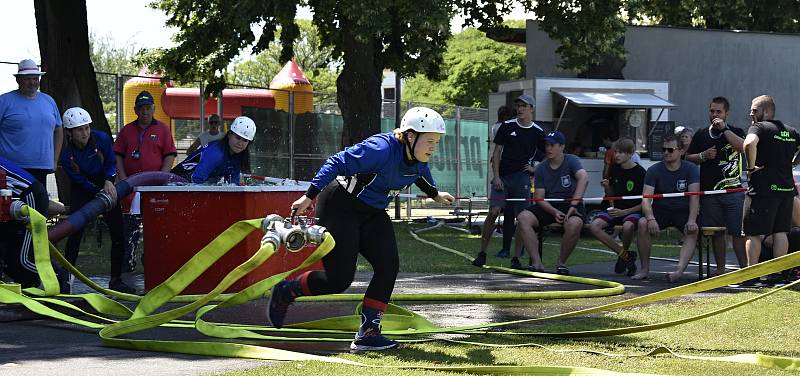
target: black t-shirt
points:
(628, 182)
(724, 171)
(520, 146)
(777, 144)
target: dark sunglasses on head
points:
(668, 150)
(213, 122)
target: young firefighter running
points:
(221, 160)
(626, 178)
(355, 186)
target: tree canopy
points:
(315, 60)
(473, 64)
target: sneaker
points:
(630, 265)
(515, 264)
(504, 253)
(279, 302)
(622, 261)
(117, 285)
(65, 281)
(480, 260)
(372, 340)
(753, 283)
(562, 270)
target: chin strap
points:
(410, 148)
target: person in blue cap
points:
(354, 187)
(560, 176)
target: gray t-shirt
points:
(206, 138)
(560, 182)
(666, 181)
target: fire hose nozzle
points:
(280, 231)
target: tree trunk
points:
(359, 91)
(64, 46)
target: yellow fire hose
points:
(115, 320)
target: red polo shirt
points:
(154, 143)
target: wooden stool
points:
(706, 236)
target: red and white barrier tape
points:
(598, 199)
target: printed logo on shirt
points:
(629, 185)
(681, 185)
(784, 136)
(565, 181)
(154, 137)
(513, 133)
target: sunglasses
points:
(668, 150)
(213, 122)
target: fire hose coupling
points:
(294, 236)
(10, 209)
(108, 202)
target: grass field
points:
(767, 326)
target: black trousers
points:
(16, 243)
(113, 219)
(357, 229)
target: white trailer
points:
(585, 110)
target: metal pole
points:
(202, 107)
(291, 134)
(458, 151)
(219, 107)
(397, 110)
(562, 114)
(120, 113)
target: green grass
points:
(423, 258)
(768, 326)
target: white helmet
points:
(75, 117)
(244, 127)
(422, 119)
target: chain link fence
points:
(298, 130)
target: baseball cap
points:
(525, 98)
(555, 137)
(28, 66)
(144, 98)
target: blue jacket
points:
(17, 179)
(209, 164)
(375, 171)
(85, 167)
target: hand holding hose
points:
(301, 205)
(444, 198)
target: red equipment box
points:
(181, 220)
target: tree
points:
(316, 61)
(406, 36)
(108, 57)
(64, 46)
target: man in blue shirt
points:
(562, 177)
(30, 125)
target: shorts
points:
(546, 218)
(671, 218)
(516, 185)
(767, 215)
(633, 218)
(723, 210)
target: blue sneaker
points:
(504, 253)
(279, 302)
(372, 340)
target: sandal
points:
(669, 279)
(562, 270)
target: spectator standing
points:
(30, 125)
(518, 144)
(769, 148)
(212, 134)
(718, 151)
(144, 144)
